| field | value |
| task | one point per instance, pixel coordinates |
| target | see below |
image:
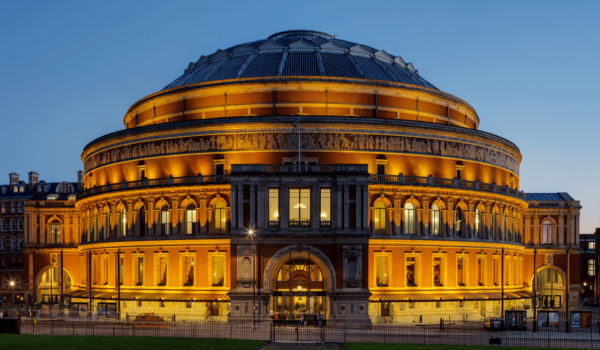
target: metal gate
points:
(297, 333)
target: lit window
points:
(409, 219)
(72, 197)
(435, 220)
(190, 219)
(188, 270)
(274, 207)
(477, 223)
(218, 270)
(546, 232)
(122, 225)
(220, 218)
(410, 271)
(460, 270)
(52, 197)
(591, 245)
(21, 188)
(437, 271)
(139, 270)
(591, 267)
(104, 269)
(299, 205)
(325, 205)
(379, 219)
(164, 221)
(381, 271)
(459, 220)
(162, 271)
(55, 232)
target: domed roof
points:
(300, 53)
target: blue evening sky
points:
(70, 70)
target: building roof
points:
(300, 53)
(39, 191)
(549, 197)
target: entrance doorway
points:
(385, 309)
(551, 287)
(214, 308)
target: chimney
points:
(33, 179)
(14, 178)
(80, 179)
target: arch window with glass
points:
(546, 232)
(409, 219)
(478, 232)
(325, 207)
(55, 232)
(220, 218)
(141, 222)
(190, 219)
(459, 221)
(435, 220)
(122, 224)
(379, 221)
(299, 208)
(273, 207)
(164, 221)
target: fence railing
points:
(441, 182)
(451, 334)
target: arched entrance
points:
(48, 287)
(299, 278)
(550, 287)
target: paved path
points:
(301, 346)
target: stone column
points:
(240, 207)
(450, 220)
(570, 229)
(338, 194)
(76, 229)
(129, 218)
(560, 229)
(444, 223)
(365, 207)
(576, 229)
(260, 205)
(113, 221)
(346, 209)
(234, 204)
(284, 204)
(150, 222)
(419, 221)
(535, 234)
(471, 233)
(426, 219)
(526, 232)
(359, 208)
(488, 222)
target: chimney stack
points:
(14, 178)
(80, 179)
(33, 179)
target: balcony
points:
(302, 168)
(299, 224)
(146, 183)
(449, 183)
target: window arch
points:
(478, 232)
(122, 224)
(546, 232)
(164, 221)
(220, 218)
(64, 187)
(409, 219)
(190, 219)
(20, 224)
(55, 232)
(379, 221)
(459, 222)
(435, 220)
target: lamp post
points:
(12, 286)
(251, 234)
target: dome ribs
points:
(263, 65)
(339, 65)
(301, 63)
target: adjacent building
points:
(298, 174)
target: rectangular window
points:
(190, 221)
(325, 207)
(381, 271)
(591, 245)
(162, 271)
(12, 207)
(591, 267)
(299, 207)
(460, 271)
(104, 270)
(139, 271)
(218, 270)
(437, 271)
(410, 272)
(480, 271)
(20, 207)
(273, 208)
(188, 268)
(380, 169)
(497, 272)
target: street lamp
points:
(251, 234)
(12, 286)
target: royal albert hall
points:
(299, 174)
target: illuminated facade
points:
(303, 174)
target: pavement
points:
(302, 346)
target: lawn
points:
(67, 342)
(389, 346)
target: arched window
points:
(107, 225)
(459, 222)
(164, 221)
(64, 187)
(546, 232)
(141, 222)
(95, 227)
(20, 224)
(379, 218)
(409, 219)
(190, 219)
(122, 224)
(478, 232)
(220, 218)
(55, 232)
(435, 220)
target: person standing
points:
(320, 318)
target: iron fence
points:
(457, 334)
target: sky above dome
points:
(70, 71)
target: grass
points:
(389, 346)
(67, 342)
